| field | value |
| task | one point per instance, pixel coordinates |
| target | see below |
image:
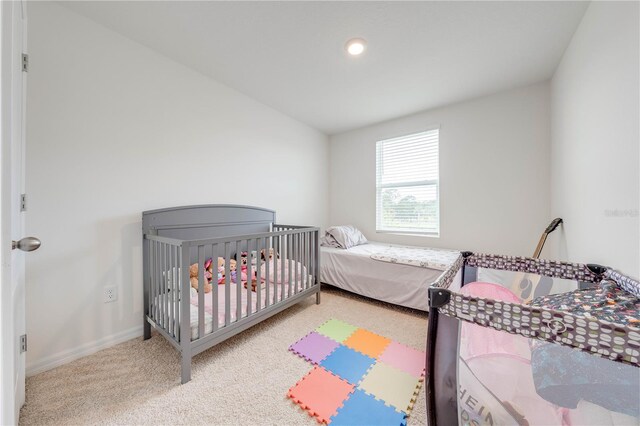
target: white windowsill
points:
(411, 234)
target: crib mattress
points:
(354, 270)
(208, 311)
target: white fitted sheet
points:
(354, 270)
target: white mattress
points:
(354, 270)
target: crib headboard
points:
(207, 221)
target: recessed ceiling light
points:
(356, 46)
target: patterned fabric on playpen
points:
(529, 341)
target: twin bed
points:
(381, 271)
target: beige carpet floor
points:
(243, 380)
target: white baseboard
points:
(67, 356)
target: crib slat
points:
(158, 319)
(201, 284)
(147, 276)
(282, 259)
(165, 284)
(290, 251)
(185, 302)
(174, 278)
(300, 265)
(267, 248)
(296, 259)
(316, 259)
(249, 276)
(159, 285)
(258, 274)
(292, 266)
(227, 284)
(214, 290)
(238, 280)
(308, 259)
(167, 267)
(177, 297)
(163, 266)
(152, 275)
(276, 256)
(311, 250)
(305, 266)
(170, 292)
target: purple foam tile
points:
(314, 347)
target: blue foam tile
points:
(363, 409)
(347, 364)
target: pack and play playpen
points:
(534, 342)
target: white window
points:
(407, 199)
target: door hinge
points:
(25, 62)
(23, 343)
(23, 202)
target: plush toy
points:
(221, 274)
(254, 285)
(208, 265)
(272, 252)
(243, 257)
(232, 268)
(208, 270)
(193, 279)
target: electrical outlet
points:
(110, 294)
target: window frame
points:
(380, 229)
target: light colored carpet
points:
(243, 380)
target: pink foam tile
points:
(404, 358)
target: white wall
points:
(494, 172)
(595, 140)
(114, 129)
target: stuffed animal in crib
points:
(208, 267)
(254, 285)
(193, 279)
(208, 270)
(272, 253)
(232, 267)
(243, 257)
(220, 270)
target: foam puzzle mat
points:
(359, 377)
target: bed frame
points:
(174, 238)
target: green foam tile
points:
(336, 330)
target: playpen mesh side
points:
(505, 362)
(539, 383)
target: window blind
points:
(407, 198)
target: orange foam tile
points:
(321, 393)
(367, 342)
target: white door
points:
(12, 246)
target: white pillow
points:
(347, 236)
(329, 241)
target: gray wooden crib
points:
(281, 260)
